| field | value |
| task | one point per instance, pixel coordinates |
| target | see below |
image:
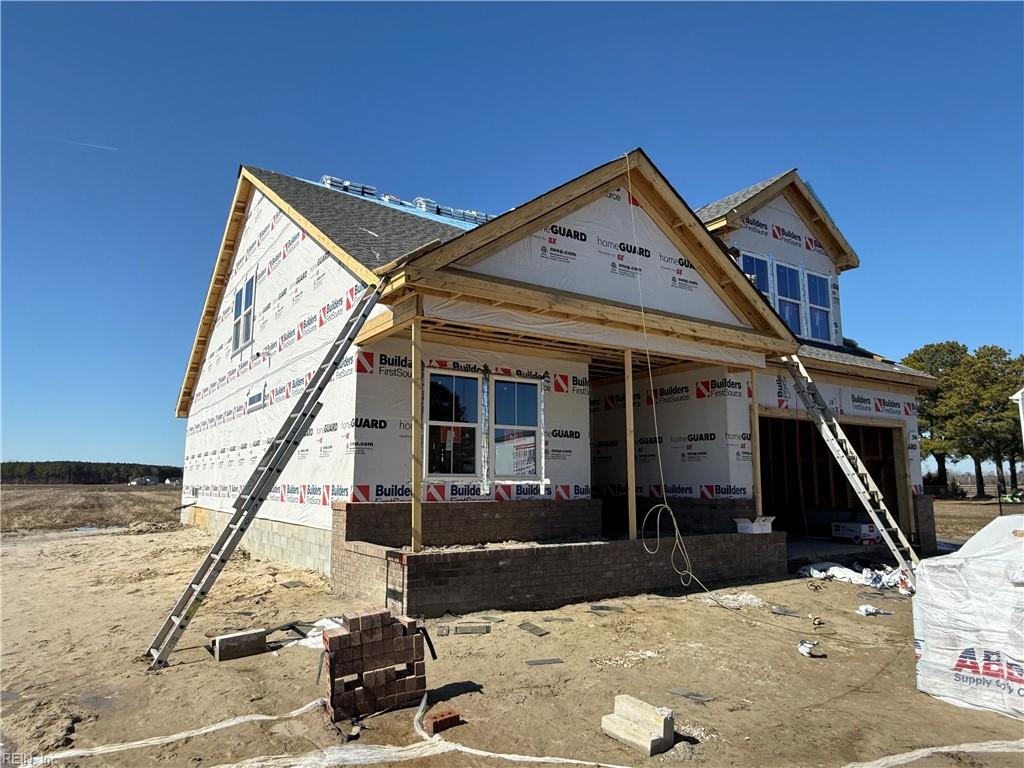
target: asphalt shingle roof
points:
(371, 231)
(719, 208)
(855, 356)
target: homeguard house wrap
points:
(500, 389)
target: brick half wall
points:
(468, 522)
(546, 576)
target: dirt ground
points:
(958, 520)
(24, 507)
(78, 610)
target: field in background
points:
(960, 519)
(26, 507)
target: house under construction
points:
(545, 375)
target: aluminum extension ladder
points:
(264, 476)
(854, 469)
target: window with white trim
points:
(819, 306)
(515, 418)
(756, 269)
(453, 425)
(245, 301)
(787, 283)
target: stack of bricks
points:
(374, 662)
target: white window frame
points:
(768, 270)
(537, 428)
(428, 423)
(799, 301)
(240, 320)
(827, 308)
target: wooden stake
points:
(630, 456)
(755, 444)
(417, 436)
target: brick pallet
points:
(374, 662)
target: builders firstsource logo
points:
(888, 406)
(675, 393)
(709, 491)
(787, 236)
(810, 244)
(862, 403)
(724, 387)
(755, 225)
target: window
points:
(241, 334)
(453, 417)
(515, 419)
(788, 286)
(757, 269)
(819, 303)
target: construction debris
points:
(734, 600)
(373, 662)
(627, 661)
(637, 724)
(442, 721)
(806, 647)
(541, 662)
(533, 629)
(239, 644)
(693, 695)
(472, 629)
(870, 610)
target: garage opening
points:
(803, 486)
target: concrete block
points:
(239, 644)
(646, 728)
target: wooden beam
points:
(904, 488)
(577, 307)
(523, 219)
(630, 455)
(887, 381)
(755, 443)
(393, 319)
(417, 437)
(865, 421)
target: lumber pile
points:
(373, 662)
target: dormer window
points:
(818, 303)
(787, 282)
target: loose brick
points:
(442, 721)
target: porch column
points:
(755, 442)
(417, 436)
(630, 457)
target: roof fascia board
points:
(215, 291)
(350, 264)
(728, 278)
(527, 216)
(917, 381)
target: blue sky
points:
(123, 127)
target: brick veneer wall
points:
(695, 516)
(540, 577)
(469, 522)
(924, 519)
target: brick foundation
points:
(695, 516)
(542, 577)
(468, 522)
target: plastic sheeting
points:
(969, 621)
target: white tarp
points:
(596, 251)
(969, 621)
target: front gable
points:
(691, 287)
(611, 249)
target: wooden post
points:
(630, 456)
(417, 436)
(755, 443)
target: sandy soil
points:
(79, 609)
(959, 520)
(24, 507)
